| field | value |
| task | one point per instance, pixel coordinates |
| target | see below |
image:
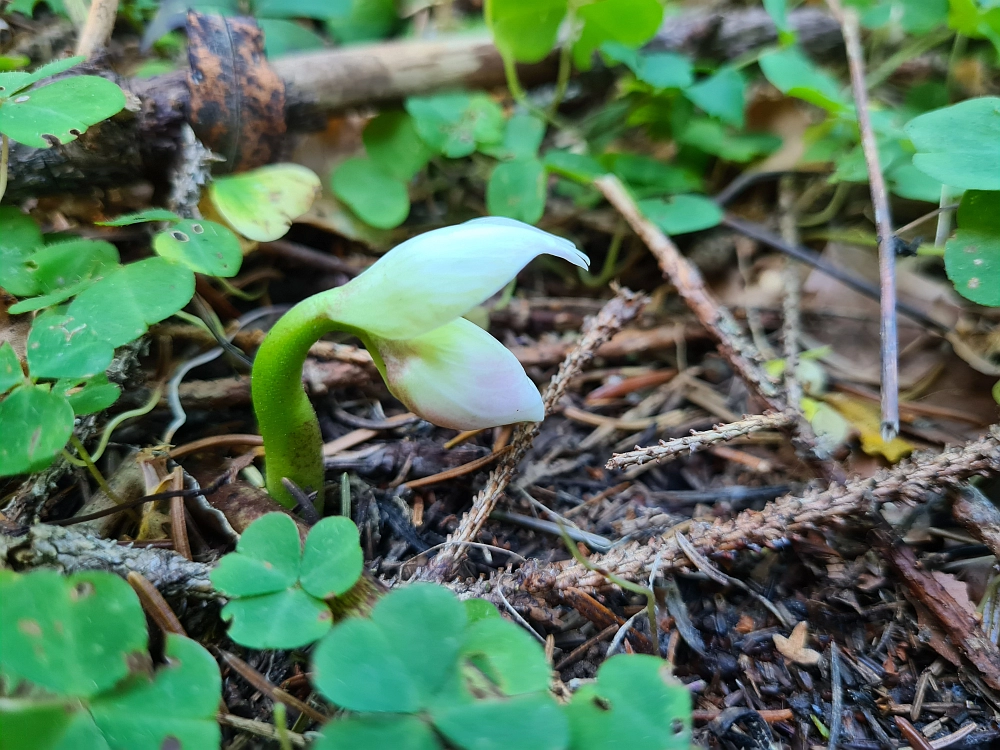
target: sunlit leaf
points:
(262, 204)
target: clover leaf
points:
(680, 214)
(394, 146)
(10, 368)
(59, 112)
(378, 199)
(456, 124)
(792, 73)
(61, 347)
(972, 256)
(517, 190)
(175, 707)
(634, 697)
(144, 293)
(477, 679)
(35, 424)
(960, 145)
(97, 394)
(203, 246)
(277, 591)
(71, 635)
(19, 240)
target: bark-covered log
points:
(140, 144)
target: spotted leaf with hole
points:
(59, 112)
(203, 246)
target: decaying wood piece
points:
(130, 147)
(961, 625)
(910, 481)
(978, 515)
(70, 551)
(620, 309)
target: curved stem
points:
(292, 442)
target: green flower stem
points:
(293, 445)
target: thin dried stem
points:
(912, 481)
(850, 27)
(670, 449)
(97, 28)
(741, 354)
(624, 306)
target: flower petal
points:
(440, 275)
(459, 376)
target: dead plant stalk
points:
(850, 27)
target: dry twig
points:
(850, 26)
(97, 28)
(669, 449)
(910, 481)
(733, 344)
(624, 306)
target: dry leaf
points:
(794, 648)
(865, 418)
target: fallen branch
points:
(669, 449)
(129, 148)
(69, 551)
(961, 625)
(618, 311)
(910, 481)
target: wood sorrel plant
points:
(407, 310)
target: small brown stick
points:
(178, 521)
(154, 604)
(733, 344)
(458, 471)
(850, 27)
(215, 441)
(769, 715)
(912, 481)
(670, 449)
(791, 325)
(736, 456)
(912, 734)
(580, 651)
(97, 28)
(261, 683)
(624, 306)
(260, 729)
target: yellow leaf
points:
(865, 417)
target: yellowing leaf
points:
(865, 418)
(262, 204)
